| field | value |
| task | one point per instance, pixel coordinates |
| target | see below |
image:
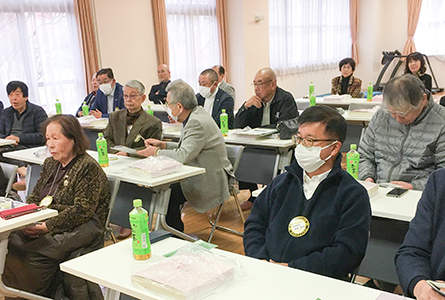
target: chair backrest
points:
(234, 153)
(114, 189)
(10, 172)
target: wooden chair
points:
(234, 154)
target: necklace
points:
(48, 199)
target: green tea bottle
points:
(224, 120)
(58, 107)
(102, 152)
(85, 109)
(352, 160)
(139, 231)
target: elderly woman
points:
(405, 140)
(74, 184)
(415, 65)
(201, 145)
(346, 83)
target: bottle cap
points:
(353, 146)
(137, 202)
(149, 106)
(100, 134)
(57, 100)
(223, 110)
(84, 103)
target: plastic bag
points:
(155, 166)
(192, 272)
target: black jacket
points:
(160, 97)
(222, 101)
(283, 107)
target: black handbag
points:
(288, 128)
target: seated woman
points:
(415, 65)
(346, 83)
(77, 187)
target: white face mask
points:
(106, 88)
(205, 91)
(309, 158)
(170, 113)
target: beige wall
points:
(126, 39)
(127, 43)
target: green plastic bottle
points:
(352, 160)
(149, 110)
(139, 231)
(85, 109)
(312, 98)
(102, 152)
(370, 92)
(58, 107)
(224, 120)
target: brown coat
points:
(354, 86)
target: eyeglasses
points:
(308, 142)
(401, 114)
(132, 97)
(260, 84)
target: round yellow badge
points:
(298, 226)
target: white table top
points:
(262, 280)
(4, 142)
(11, 224)
(402, 209)
(118, 168)
(358, 116)
(345, 101)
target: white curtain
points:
(40, 46)
(430, 32)
(192, 37)
(308, 35)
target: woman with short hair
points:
(415, 65)
(346, 83)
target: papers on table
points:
(256, 132)
(91, 121)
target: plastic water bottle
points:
(139, 231)
(312, 98)
(58, 107)
(101, 144)
(149, 110)
(224, 120)
(370, 92)
(352, 160)
(85, 109)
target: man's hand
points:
(149, 151)
(281, 264)
(155, 143)
(422, 291)
(35, 231)
(403, 185)
(122, 153)
(370, 179)
(14, 138)
(170, 120)
(97, 113)
(80, 114)
(255, 101)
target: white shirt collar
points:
(311, 184)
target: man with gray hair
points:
(405, 140)
(201, 145)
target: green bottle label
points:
(312, 100)
(224, 120)
(58, 108)
(150, 112)
(311, 89)
(85, 110)
(102, 151)
(140, 233)
(352, 160)
(370, 92)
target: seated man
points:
(131, 126)
(405, 139)
(157, 92)
(421, 256)
(201, 145)
(21, 122)
(315, 217)
(266, 108)
(346, 83)
(222, 84)
(109, 96)
(89, 99)
(214, 99)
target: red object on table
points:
(19, 211)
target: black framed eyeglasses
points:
(308, 142)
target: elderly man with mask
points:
(201, 145)
(405, 140)
(214, 99)
(314, 217)
(109, 96)
(157, 92)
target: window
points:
(431, 28)
(40, 47)
(193, 38)
(308, 35)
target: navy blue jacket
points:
(222, 101)
(31, 135)
(421, 255)
(283, 107)
(160, 97)
(101, 102)
(339, 213)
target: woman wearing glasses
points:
(405, 140)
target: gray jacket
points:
(202, 145)
(228, 88)
(391, 151)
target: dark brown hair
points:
(415, 56)
(72, 130)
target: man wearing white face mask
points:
(214, 99)
(109, 96)
(315, 217)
